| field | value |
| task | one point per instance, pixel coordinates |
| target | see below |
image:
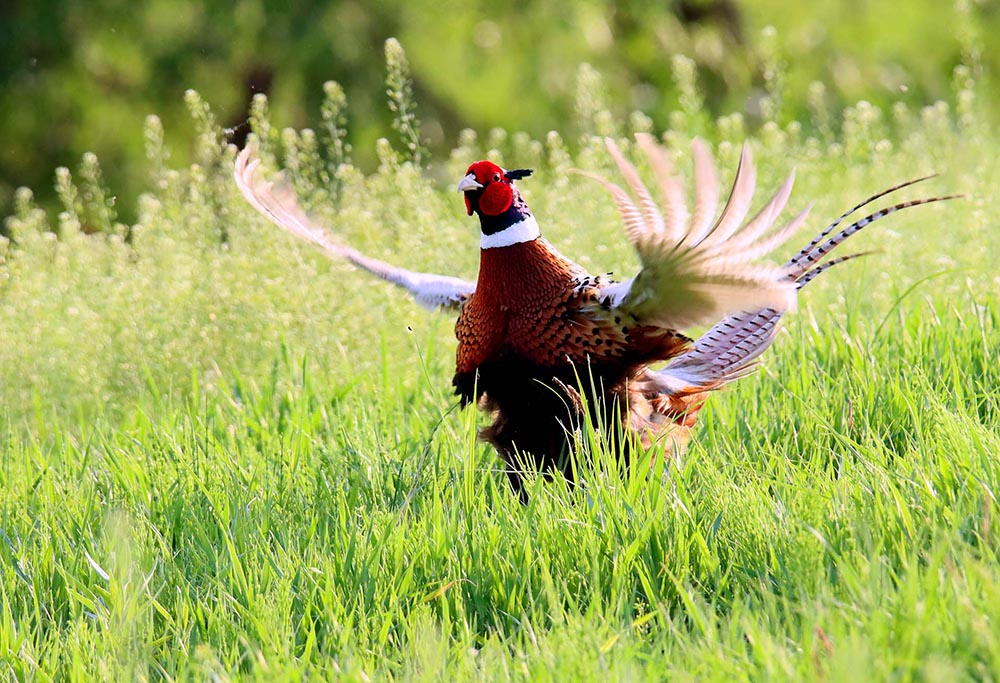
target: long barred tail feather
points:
(801, 262)
(729, 350)
(878, 195)
(811, 274)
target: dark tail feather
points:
(878, 195)
(802, 262)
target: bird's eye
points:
(496, 177)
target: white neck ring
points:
(522, 231)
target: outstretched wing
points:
(696, 269)
(278, 203)
(729, 350)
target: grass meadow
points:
(228, 458)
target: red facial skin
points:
(496, 195)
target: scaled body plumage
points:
(541, 342)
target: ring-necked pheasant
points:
(541, 342)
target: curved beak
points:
(468, 183)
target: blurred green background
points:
(81, 75)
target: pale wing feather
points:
(651, 214)
(635, 224)
(675, 212)
(765, 218)
(738, 205)
(685, 281)
(706, 191)
(767, 245)
(278, 203)
(706, 299)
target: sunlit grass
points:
(226, 456)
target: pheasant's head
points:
(489, 192)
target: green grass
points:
(227, 458)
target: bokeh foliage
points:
(81, 75)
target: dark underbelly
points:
(512, 379)
(537, 411)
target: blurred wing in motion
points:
(278, 203)
(729, 350)
(695, 268)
